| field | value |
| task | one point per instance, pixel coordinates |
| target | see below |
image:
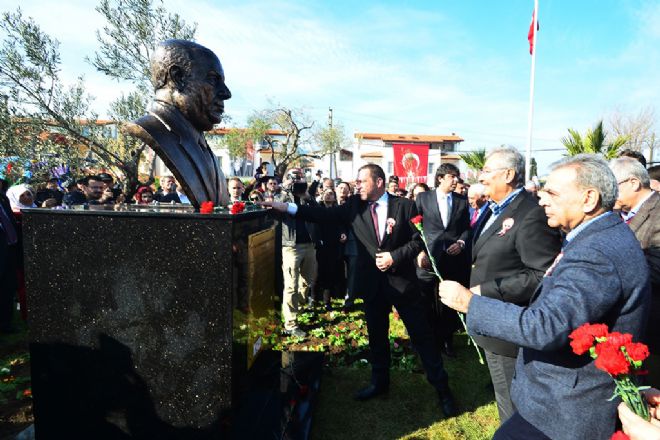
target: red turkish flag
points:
(410, 163)
(530, 34)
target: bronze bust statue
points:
(190, 89)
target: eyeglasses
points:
(487, 171)
(624, 181)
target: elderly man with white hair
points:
(640, 208)
(478, 202)
(600, 276)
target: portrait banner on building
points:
(411, 163)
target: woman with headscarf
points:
(20, 197)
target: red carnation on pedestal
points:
(237, 207)
(206, 208)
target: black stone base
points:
(279, 400)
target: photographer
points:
(298, 250)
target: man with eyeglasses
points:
(272, 186)
(512, 247)
(640, 209)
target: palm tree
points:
(592, 142)
(474, 160)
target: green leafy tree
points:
(593, 141)
(474, 160)
(37, 102)
(294, 144)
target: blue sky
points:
(432, 67)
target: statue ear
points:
(177, 77)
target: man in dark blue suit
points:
(387, 245)
(447, 229)
(559, 395)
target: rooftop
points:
(435, 138)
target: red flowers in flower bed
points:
(237, 207)
(617, 355)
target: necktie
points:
(447, 210)
(475, 217)
(8, 227)
(627, 218)
(374, 218)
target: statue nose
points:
(224, 92)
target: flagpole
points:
(530, 116)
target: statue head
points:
(189, 76)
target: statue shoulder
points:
(137, 130)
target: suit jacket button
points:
(473, 266)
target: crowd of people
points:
(528, 264)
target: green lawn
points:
(410, 410)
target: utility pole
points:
(333, 165)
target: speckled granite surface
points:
(131, 321)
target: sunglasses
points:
(254, 199)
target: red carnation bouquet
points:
(617, 355)
(418, 222)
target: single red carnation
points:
(610, 359)
(237, 207)
(417, 220)
(581, 342)
(637, 351)
(206, 208)
(619, 339)
(594, 330)
(583, 336)
(619, 435)
(598, 330)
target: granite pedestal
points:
(142, 323)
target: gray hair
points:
(512, 159)
(592, 172)
(627, 167)
(477, 188)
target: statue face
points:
(202, 100)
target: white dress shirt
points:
(444, 203)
